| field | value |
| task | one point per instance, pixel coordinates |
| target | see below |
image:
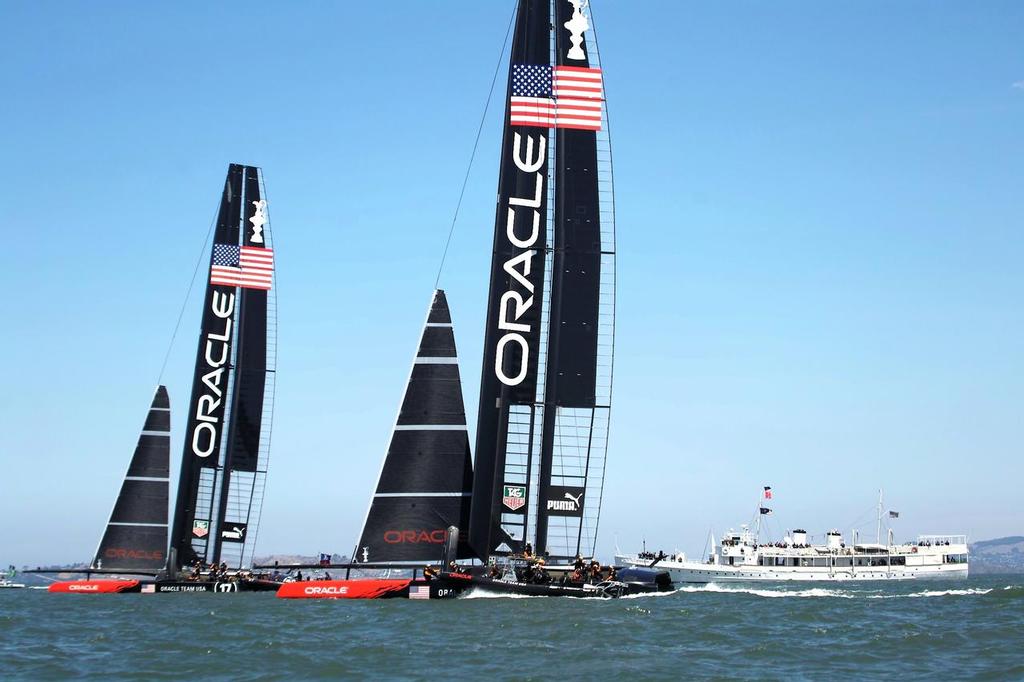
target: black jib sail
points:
(136, 535)
(546, 381)
(426, 479)
(227, 437)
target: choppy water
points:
(909, 630)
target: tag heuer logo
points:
(514, 496)
(200, 529)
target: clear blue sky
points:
(820, 234)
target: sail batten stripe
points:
(155, 433)
(455, 494)
(159, 409)
(148, 478)
(437, 361)
(430, 427)
(439, 324)
(141, 525)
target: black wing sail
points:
(224, 462)
(542, 435)
(575, 419)
(512, 337)
(426, 480)
(136, 535)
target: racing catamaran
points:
(545, 391)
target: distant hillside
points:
(285, 559)
(1001, 555)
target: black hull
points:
(225, 587)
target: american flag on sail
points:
(419, 592)
(249, 267)
(556, 97)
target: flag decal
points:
(556, 97)
(249, 267)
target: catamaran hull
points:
(95, 586)
(606, 590)
(370, 588)
(113, 586)
(227, 586)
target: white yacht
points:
(741, 557)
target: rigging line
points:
(188, 294)
(476, 143)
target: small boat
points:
(518, 576)
(423, 490)
(743, 556)
(545, 391)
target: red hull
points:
(345, 589)
(95, 586)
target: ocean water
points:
(908, 630)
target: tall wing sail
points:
(512, 337)
(227, 433)
(136, 534)
(542, 433)
(581, 323)
(426, 480)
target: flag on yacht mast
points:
(767, 492)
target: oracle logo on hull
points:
(433, 537)
(330, 589)
(83, 588)
(514, 304)
(119, 553)
(216, 354)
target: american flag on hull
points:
(556, 97)
(249, 267)
(419, 592)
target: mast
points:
(509, 376)
(226, 446)
(878, 528)
(571, 371)
(242, 470)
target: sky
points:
(819, 225)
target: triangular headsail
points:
(426, 479)
(545, 391)
(136, 534)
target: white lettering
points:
(521, 307)
(513, 305)
(204, 427)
